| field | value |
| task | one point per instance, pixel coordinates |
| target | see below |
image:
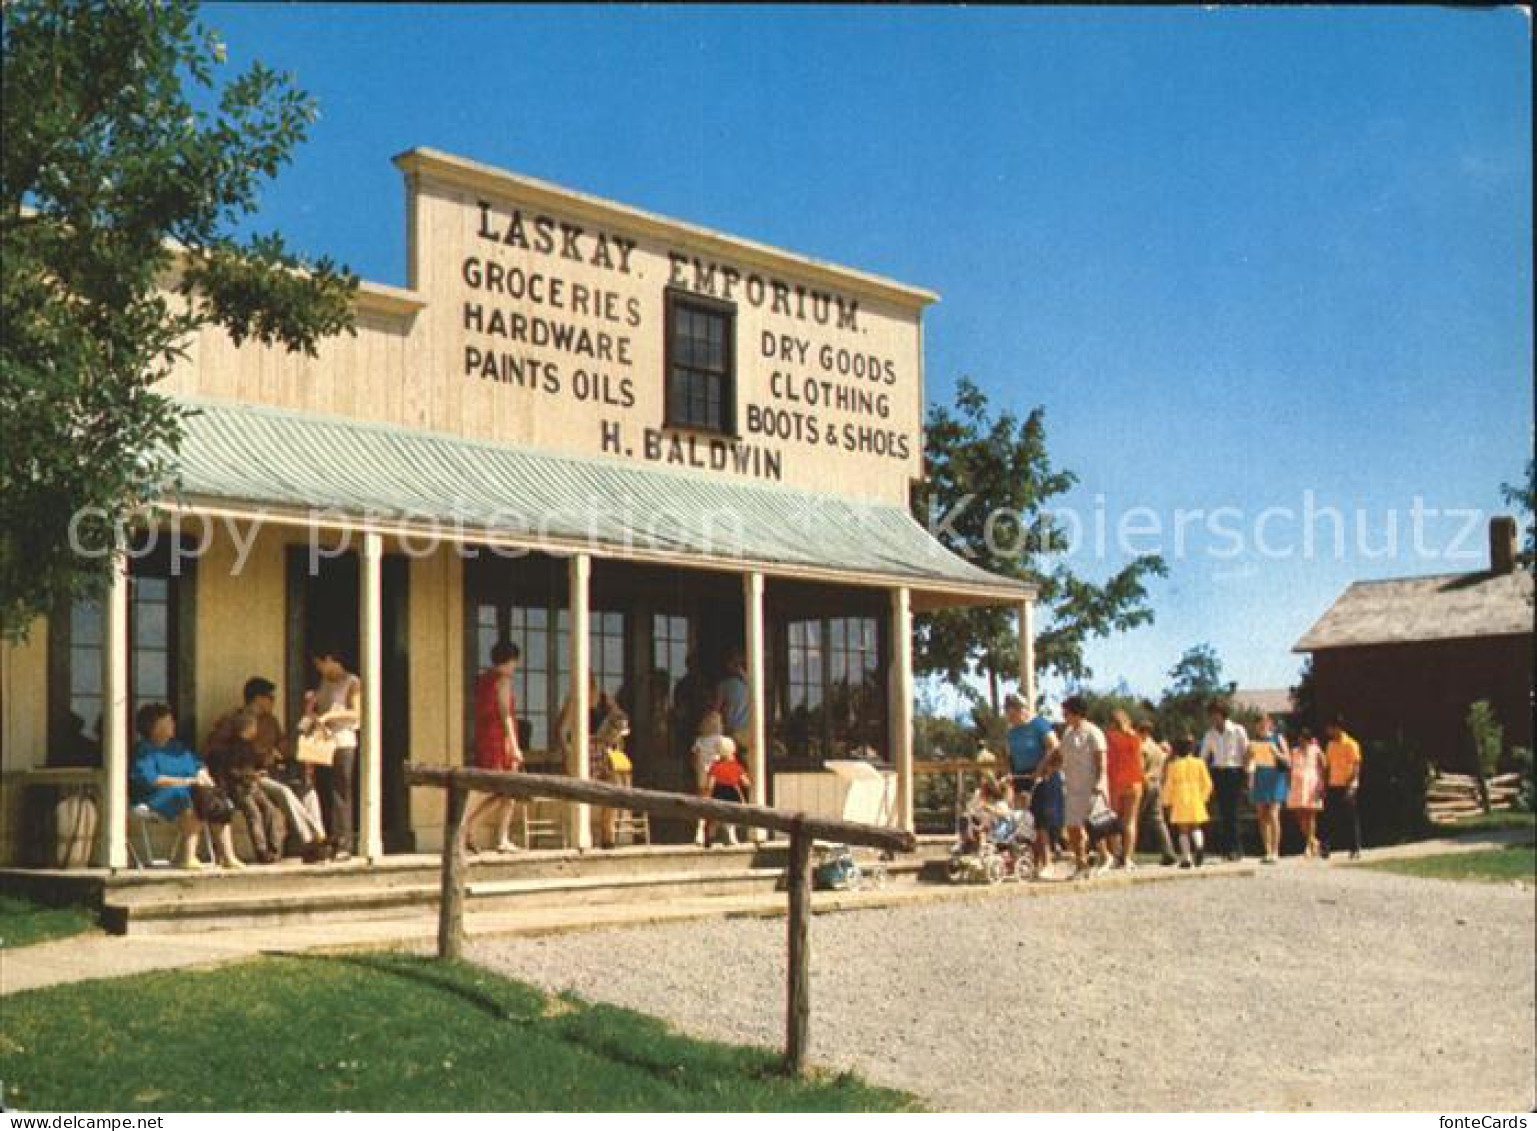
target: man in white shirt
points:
(1225, 749)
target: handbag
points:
(1102, 820)
(315, 749)
(212, 805)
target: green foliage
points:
(126, 165)
(1488, 738)
(1395, 778)
(1523, 497)
(1305, 700)
(936, 736)
(1104, 704)
(376, 1033)
(987, 497)
(1527, 797)
(1194, 681)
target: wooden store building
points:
(630, 445)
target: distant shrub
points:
(1526, 798)
(1395, 777)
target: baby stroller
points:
(998, 853)
(837, 869)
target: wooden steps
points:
(164, 901)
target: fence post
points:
(451, 898)
(798, 1005)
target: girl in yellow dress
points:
(1186, 790)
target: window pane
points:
(613, 656)
(835, 632)
(150, 588)
(150, 624)
(537, 693)
(85, 671)
(149, 671)
(87, 708)
(85, 622)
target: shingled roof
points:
(1405, 610)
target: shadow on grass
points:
(636, 1040)
(446, 977)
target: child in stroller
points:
(993, 841)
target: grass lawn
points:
(1498, 820)
(376, 1033)
(23, 922)
(1492, 865)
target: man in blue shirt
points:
(1034, 772)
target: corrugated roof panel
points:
(260, 455)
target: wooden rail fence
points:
(803, 829)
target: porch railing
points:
(802, 829)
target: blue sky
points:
(1244, 258)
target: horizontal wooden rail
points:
(958, 766)
(803, 829)
(679, 805)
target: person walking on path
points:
(1123, 757)
(1225, 750)
(1343, 768)
(1269, 774)
(1187, 787)
(1154, 755)
(1305, 790)
(1083, 776)
(496, 740)
(1034, 771)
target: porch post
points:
(1027, 653)
(900, 714)
(113, 850)
(371, 671)
(757, 722)
(578, 761)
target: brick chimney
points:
(1502, 544)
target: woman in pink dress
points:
(1305, 790)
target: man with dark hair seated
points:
(290, 788)
(232, 759)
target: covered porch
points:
(418, 551)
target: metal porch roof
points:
(274, 458)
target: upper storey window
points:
(701, 364)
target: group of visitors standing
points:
(1092, 790)
(250, 766)
(714, 713)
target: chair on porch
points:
(625, 822)
(544, 824)
(141, 817)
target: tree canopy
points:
(129, 163)
(987, 496)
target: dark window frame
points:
(712, 308)
(505, 589)
(178, 644)
(827, 736)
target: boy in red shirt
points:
(728, 782)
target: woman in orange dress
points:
(1123, 768)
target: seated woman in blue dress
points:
(173, 781)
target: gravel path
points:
(1304, 987)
